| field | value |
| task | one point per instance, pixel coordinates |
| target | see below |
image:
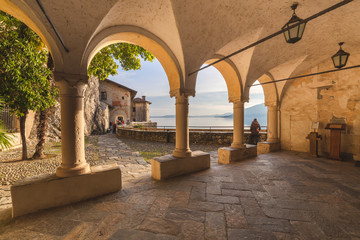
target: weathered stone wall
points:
(144, 124)
(318, 99)
(197, 137)
(119, 99)
(96, 115)
(141, 112)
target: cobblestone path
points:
(283, 195)
(112, 150)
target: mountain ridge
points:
(258, 111)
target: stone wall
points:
(96, 115)
(144, 124)
(196, 137)
(119, 99)
(319, 99)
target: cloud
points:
(211, 91)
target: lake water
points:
(196, 122)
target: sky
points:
(211, 92)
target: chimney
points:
(143, 98)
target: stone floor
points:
(283, 195)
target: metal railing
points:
(205, 128)
(7, 119)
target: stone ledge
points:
(229, 154)
(169, 166)
(267, 147)
(356, 158)
(47, 191)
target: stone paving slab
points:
(282, 195)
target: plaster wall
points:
(142, 112)
(119, 99)
(318, 99)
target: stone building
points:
(119, 99)
(141, 110)
(183, 36)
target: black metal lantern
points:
(292, 35)
(340, 58)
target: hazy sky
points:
(211, 92)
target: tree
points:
(23, 75)
(25, 72)
(43, 118)
(5, 137)
(103, 64)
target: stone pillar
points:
(272, 124)
(182, 148)
(72, 124)
(238, 134)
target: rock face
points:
(96, 115)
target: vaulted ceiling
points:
(196, 31)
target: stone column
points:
(272, 124)
(238, 134)
(72, 124)
(182, 148)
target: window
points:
(103, 96)
(134, 109)
(122, 98)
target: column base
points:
(169, 166)
(83, 168)
(238, 145)
(47, 191)
(182, 153)
(267, 147)
(227, 155)
(357, 160)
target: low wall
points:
(197, 137)
(145, 124)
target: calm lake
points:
(196, 122)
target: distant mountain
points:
(258, 111)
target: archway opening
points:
(210, 108)
(255, 108)
(26, 85)
(135, 80)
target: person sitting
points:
(254, 129)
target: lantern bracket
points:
(294, 6)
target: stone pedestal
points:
(229, 154)
(267, 147)
(169, 166)
(357, 160)
(47, 191)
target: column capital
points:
(271, 104)
(245, 99)
(71, 84)
(238, 104)
(182, 92)
(234, 99)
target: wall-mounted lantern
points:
(292, 35)
(340, 58)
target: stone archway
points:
(24, 13)
(233, 82)
(143, 38)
